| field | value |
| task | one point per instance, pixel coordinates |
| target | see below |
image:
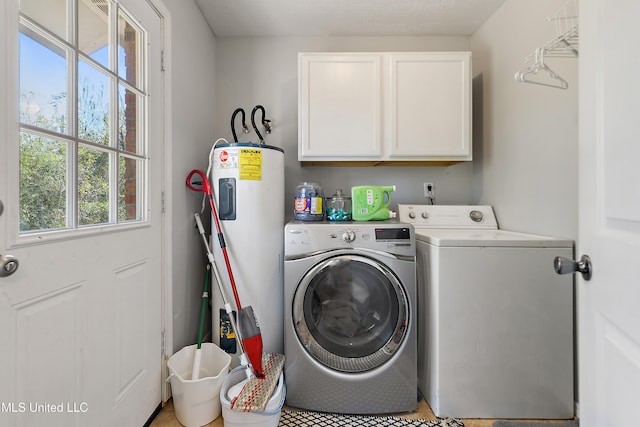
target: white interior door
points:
(609, 314)
(80, 319)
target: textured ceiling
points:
(232, 18)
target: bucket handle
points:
(169, 377)
(281, 404)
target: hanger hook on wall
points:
(265, 122)
(245, 128)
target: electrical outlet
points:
(429, 190)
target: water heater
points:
(248, 186)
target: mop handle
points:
(207, 190)
(205, 296)
(212, 261)
(204, 239)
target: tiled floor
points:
(167, 418)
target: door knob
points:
(8, 265)
(564, 265)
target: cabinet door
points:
(429, 106)
(339, 106)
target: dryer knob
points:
(476, 216)
(425, 215)
(349, 236)
(412, 215)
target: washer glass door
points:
(350, 312)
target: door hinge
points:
(162, 60)
(162, 345)
(164, 203)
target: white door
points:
(80, 319)
(609, 304)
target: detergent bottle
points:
(371, 202)
(307, 205)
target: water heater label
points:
(250, 163)
(226, 159)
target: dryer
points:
(496, 324)
(350, 336)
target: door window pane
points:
(43, 83)
(129, 116)
(93, 104)
(128, 189)
(93, 30)
(43, 183)
(128, 55)
(93, 186)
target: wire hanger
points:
(530, 74)
(564, 45)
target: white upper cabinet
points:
(384, 107)
(340, 106)
(429, 106)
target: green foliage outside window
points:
(44, 180)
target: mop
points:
(254, 393)
(227, 305)
(249, 328)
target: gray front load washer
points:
(350, 335)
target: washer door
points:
(350, 312)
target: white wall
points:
(264, 71)
(191, 64)
(525, 135)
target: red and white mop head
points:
(257, 391)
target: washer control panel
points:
(391, 237)
(448, 216)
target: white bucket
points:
(267, 418)
(197, 402)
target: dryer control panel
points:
(479, 217)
